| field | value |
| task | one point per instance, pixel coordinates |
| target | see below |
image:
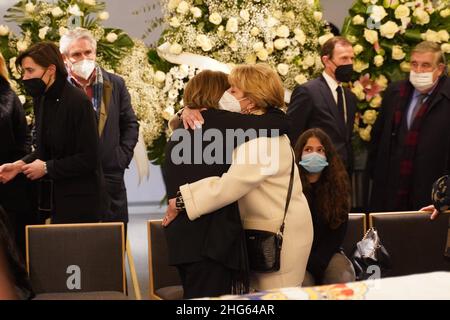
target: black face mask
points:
(344, 72)
(35, 87)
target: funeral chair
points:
(164, 280)
(415, 243)
(77, 261)
(356, 228)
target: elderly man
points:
(117, 124)
(411, 138)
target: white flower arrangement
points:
(383, 33)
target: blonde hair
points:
(260, 83)
(3, 68)
(205, 89)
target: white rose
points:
(283, 69)
(318, 15)
(204, 42)
(301, 79)
(254, 32)
(378, 60)
(232, 25)
(358, 91)
(397, 53)
(431, 35)
(43, 32)
(402, 11)
(300, 36)
(62, 31)
(22, 99)
(173, 4)
(196, 12)
(358, 49)
(250, 59)
(445, 47)
(220, 31)
(359, 66)
(22, 45)
(262, 55)
(29, 7)
(376, 101)
(258, 46)
(174, 22)
(365, 133)
(405, 66)
(378, 13)
(325, 38)
(159, 76)
(308, 61)
(445, 13)
(215, 18)
(104, 15)
(371, 36)
(290, 15)
(353, 39)
(283, 31)
(272, 22)
(382, 81)
(270, 47)
(89, 2)
(422, 17)
(357, 20)
(57, 12)
(389, 29)
(245, 15)
(183, 7)
(4, 30)
(75, 11)
(280, 44)
(175, 48)
(369, 116)
(111, 37)
(443, 35)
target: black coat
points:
(432, 157)
(67, 139)
(312, 106)
(218, 235)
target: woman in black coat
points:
(16, 197)
(66, 158)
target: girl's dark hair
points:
(333, 187)
(44, 54)
(13, 258)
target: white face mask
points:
(83, 68)
(421, 81)
(229, 102)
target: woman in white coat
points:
(258, 178)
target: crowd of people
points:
(238, 159)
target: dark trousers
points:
(205, 278)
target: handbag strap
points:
(289, 194)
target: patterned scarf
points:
(403, 197)
(97, 88)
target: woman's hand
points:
(192, 118)
(171, 213)
(433, 210)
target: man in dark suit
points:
(118, 128)
(323, 103)
(411, 139)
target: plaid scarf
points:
(403, 197)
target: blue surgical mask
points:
(313, 162)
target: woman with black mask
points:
(66, 160)
(15, 140)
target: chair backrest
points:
(356, 228)
(415, 243)
(161, 275)
(76, 257)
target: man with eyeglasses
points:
(410, 145)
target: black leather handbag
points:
(264, 247)
(370, 258)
